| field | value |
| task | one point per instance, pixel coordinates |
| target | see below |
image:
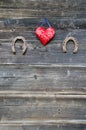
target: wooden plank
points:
(38, 54)
(32, 23)
(45, 89)
(31, 13)
(42, 110)
(42, 78)
(58, 8)
(35, 3)
(45, 4)
(63, 14)
(44, 127)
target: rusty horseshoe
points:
(67, 39)
(24, 46)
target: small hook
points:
(24, 44)
(67, 39)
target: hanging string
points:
(45, 21)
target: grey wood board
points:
(44, 8)
(63, 14)
(44, 89)
(44, 127)
(39, 54)
(42, 78)
(32, 109)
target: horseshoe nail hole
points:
(35, 76)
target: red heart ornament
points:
(45, 35)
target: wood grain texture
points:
(38, 54)
(43, 107)
(44, 89)
(42, 78)
(36, 127)
(62, 13)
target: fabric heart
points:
(45, 35)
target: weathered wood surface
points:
(42, 78)
(25, 13)
(38, 54)
(36, 127)
(44, 89)
(37, 107)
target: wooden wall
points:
(44, 89)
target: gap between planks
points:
(42, 122)
(46, 65)
(41, 95)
